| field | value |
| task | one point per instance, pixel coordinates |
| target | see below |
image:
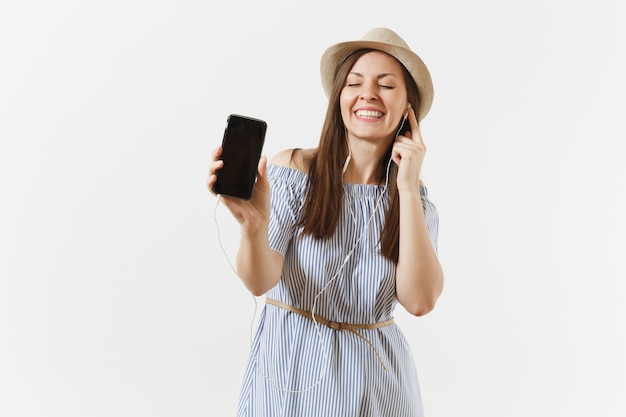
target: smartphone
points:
(241, 150)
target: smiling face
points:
(374, 97)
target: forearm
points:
(419, 277)
(258, 266)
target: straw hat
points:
(385, 40)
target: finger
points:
(406, 134)
(416, 134)
(396, 152)
(407, 148)
(262, 168)
(212, 178)
(217, 152)
(210, 182)
(215, 165)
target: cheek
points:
(345, 104)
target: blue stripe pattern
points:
(299, 369)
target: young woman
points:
(335, 237)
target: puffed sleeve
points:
(286, 195)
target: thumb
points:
(261, 179)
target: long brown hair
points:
(324, 198)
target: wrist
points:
(410, 192)
(254, 230)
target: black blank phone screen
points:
(241, 150)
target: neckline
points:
(351, 188)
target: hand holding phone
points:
(241, 151)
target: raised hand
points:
(408, 153)
(250, 214)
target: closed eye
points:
(387, 87)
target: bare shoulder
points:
(298, 159)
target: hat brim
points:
(334, 56)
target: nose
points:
(368, 92)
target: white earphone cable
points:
(219, 240)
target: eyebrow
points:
(386, 74)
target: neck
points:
(364, 165)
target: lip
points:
(367, 119)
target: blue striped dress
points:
(300, 368)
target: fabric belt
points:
(351, 327)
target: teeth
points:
(369, 113)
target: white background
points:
(115, 299)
